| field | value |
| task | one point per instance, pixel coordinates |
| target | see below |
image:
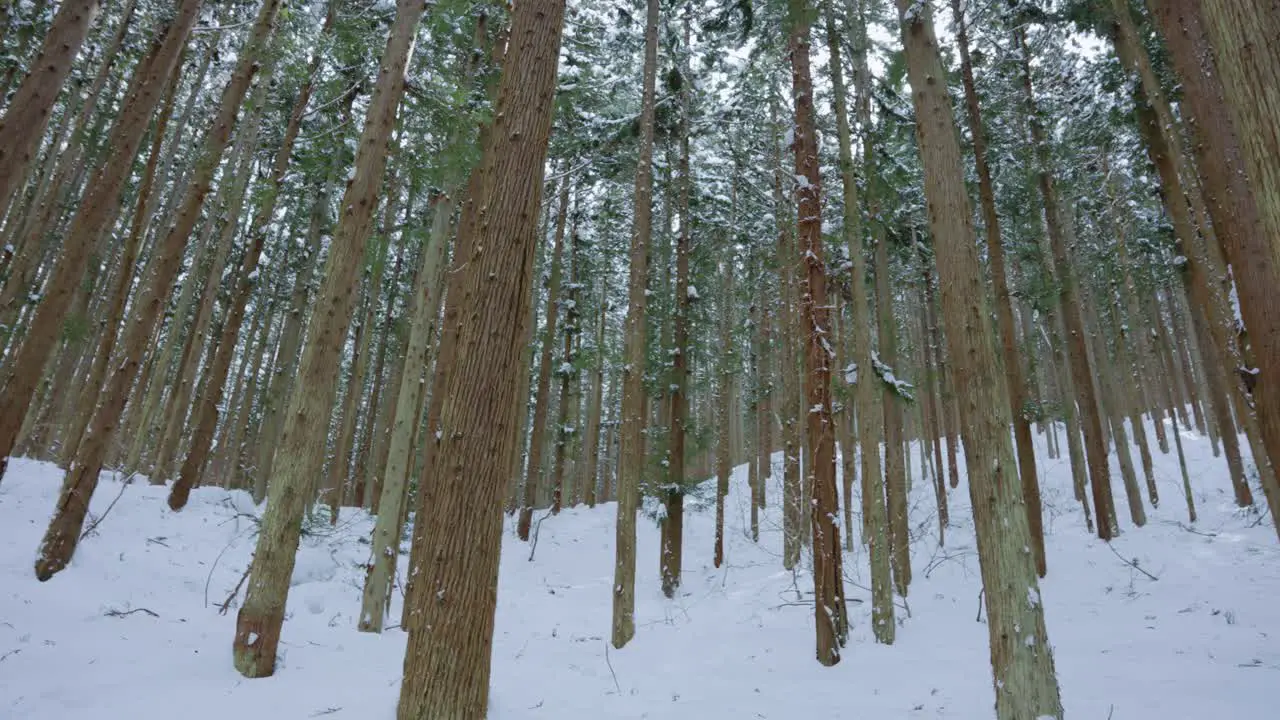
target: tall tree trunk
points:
(1021, 657)
(64, 529)
(1210, 316)
(1237, 112)
(447, 662)
(385, 548)
(565, 429)
(301, 445)
(632, 418)
(725, 408)
(1015, 379)
(124, 279)
(24, 120)
(1082, 372)
(875, 530)
(97, 211)
(787, 406)
(672, 550)
(543, 396)
(828, 579)
(591, 447)
(205, 415)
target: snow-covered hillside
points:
(131, 631)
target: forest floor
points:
(131, 630)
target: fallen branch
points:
(125, 613)
(533, 546)
(610, 664)
(98, 520)
(1131, 563)
(222, 609)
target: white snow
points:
(736, 642)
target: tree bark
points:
(447, 660)
(1021, 657)
(1082, 372)
(205, 415)
(24, 120)
(632, 418)
(830, 619)
(63, 534)
(875, 530)
(543, 394)
(97, 211)
(1015, 379)
(302, 441)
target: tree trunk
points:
(386, 533)
(1082, 373)
(24, 120)
(205, 415)
(828, 580)
(124, 279)
(543, 396)
(97, 211)
(64, 529)
(591, 467)
(447, 660)
(1021, 656)
(672, 550)
(632, 418)
(301, 445)
(1015, 379)
(1237, 112)
(875, 530)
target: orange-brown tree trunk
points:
(448, 657)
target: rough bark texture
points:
(875, 530)
(632, 419)
(672, 551)
(385, 548)
(301, 446)
(97, 211)
(828, 581)
(205, 415)
(447, 660)
(82, 476)
(24, 120)
(1237, 221)
(1015, 379)
(1021, 657)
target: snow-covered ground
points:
(131, 630)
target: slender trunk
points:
(385, 548)
(828, 580)
(301, 444)
(632, 418)
(1021, 656)
(97, 212)
(1015, 379)
(124, 280)
(875, 530)
(543, 396)
(24, 120)
(64, 529)
(565, 429)
(591, 467)
(672, 551)
(205, 415)
(1082, 372)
